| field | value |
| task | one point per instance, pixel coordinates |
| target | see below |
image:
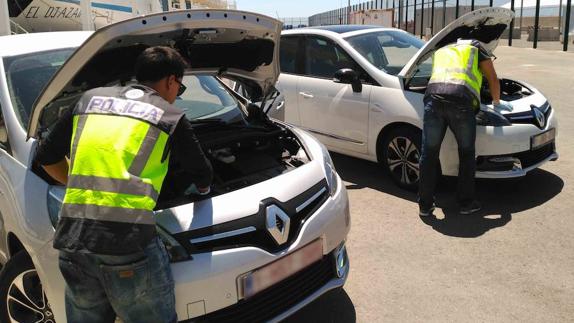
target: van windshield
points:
(28, 74)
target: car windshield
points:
(28, 74)
(206, 98)
(388, 50)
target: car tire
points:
(399, 153)
(22, 298)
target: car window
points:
(288, 54)
(323, 58)
(422, 74)
(388, 50)
(207, 98)
(27, 75)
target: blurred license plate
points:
(261, 278)
(543, 138)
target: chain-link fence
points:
(546, 24)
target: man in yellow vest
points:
(451, 100)
(119, 141)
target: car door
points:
(290, 63)
(333, 111)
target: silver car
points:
(269, 239)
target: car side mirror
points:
(349, 76)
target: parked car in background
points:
(360, 90)
(268, 240)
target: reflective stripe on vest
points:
(457, 64)
(117, 169)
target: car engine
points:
(241, 155)
(509, 91)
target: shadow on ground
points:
(333, 307)
(500, 198)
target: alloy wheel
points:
(403, 160)
(26, 300)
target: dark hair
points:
(156, 63)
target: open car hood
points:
(485, 25)
(229, 43)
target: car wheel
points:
(22, 298)
(400, 152)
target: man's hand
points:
(502, 105)
(193, 189)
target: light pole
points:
(86, 15)
(4, 18)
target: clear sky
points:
(290, 8)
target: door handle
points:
(306, 95)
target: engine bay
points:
(509, 91)
(241, 155)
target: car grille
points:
(528, 117)
(251, 230)
(278, 298)
(527, 159)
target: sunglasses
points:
(182, 88)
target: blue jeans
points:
(138, 288)
(461, 120)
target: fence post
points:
(567, 24)
(536, 22)
(415, 18)
(432, 19)
(422, 18)
(400, 12)
(443, 13)
(472, 5)
(512, 25)
(456, 10)
(407, 16)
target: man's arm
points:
(193, 158)
(487, 68)
(52, 151)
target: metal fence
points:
(547, 24)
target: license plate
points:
(542, 139)
(266, 276)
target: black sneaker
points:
(426, 211)
(471, 208)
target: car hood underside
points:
(235, 44)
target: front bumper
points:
(207, 286)
(515, 165)
(512, 143)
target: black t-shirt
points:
(56, 146)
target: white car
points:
(360, 90)
(269, 239)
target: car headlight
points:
(330, 172)
(491, 118)
(55, 198)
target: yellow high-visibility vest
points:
(457, 65)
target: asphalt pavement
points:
(512, 262)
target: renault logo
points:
(277, 222)
(540, 118)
